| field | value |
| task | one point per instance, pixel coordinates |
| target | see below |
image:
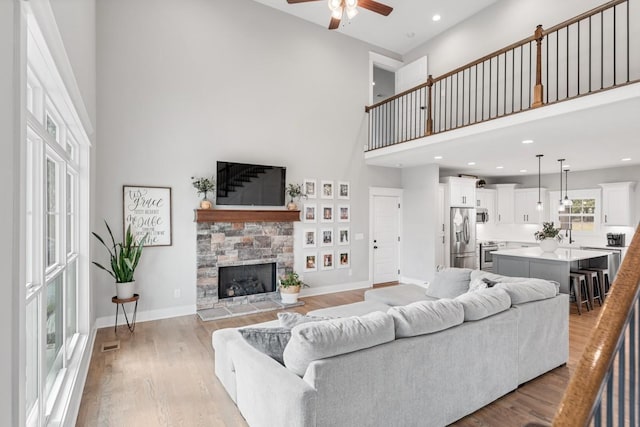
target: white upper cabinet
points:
(462, 192)
(505, 194)
(486, 198)
(617, 203)
(525, 206)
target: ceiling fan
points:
(339, 7)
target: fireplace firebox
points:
(241, 280)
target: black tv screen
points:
(243, 184)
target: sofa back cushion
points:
(328, 338)
(484, 303)
(531, 290)
(449, 283)
(426, 317)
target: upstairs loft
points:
(573, 87)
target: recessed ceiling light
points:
(626, 159)
(437, 157)
(471, 163)
(499, 167)
(523, 170)
(527, 141)
(436, 17)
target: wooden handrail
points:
(396, 96)
(584, 15)
(580, 398)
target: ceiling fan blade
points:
(334, 23)
(376, 7)
(299, 1)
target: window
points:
(581, 216)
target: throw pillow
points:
(449, 283)
(477, 285)
(484, 303)
(320, 340)
(289, 319)
(270, 341)
(426, 317)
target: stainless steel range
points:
(486, 260)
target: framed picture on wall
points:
(327, 260)
(309, 188)
(343, 236)
(309, 238)
(327, 213)
(344, 213)
(310, 263)
(326, 187)
(344, 190)
(148, 211)
(309, 212)
(326, 237)
(344, 258)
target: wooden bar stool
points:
(603, 278)
(594, 287)
(578, 283)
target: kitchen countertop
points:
(560, 255)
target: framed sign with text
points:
(148, 211)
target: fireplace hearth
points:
(243, 280)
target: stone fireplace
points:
(242, 239)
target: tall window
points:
(581, 215)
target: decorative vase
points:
(125, 290)
(548, 245)
(289, 295)
(205, 203)
(292, 206)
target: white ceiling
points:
(407, 27)
(592, 132)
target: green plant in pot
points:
(203, 186)
(290, 285)
(123, 258)
(549, 237)
(294, 191)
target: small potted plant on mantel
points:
(290, 285)
(124, 257)
(549, 237)
(295, 192)
(204, 185)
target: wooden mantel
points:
(234, 215)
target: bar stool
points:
(594, 285)
(578, 283)
(603, 278)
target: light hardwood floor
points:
(163, 375)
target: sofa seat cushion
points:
(397, 295)
(533, 290)
(328, 338)
(426, 317)
(484, 303)
(348, 310)
(449, 283)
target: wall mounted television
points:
(243, 184)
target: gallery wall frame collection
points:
(317, 215)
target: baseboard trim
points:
(412, 281)
(146, 316)
(330, 289)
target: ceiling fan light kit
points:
(339, 7)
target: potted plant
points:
(295, 192)
(124, 257)
(290, 285)
(549, 237)
(204, 185)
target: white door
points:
(408, 77)
(385, 238)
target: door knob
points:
(375, 247)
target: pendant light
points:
(566, 201)
(561, 205)
(539, 205)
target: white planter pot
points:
(548, 245)
(125, 290)
(289, 298)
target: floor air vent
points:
(110, 346)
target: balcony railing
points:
(586, 54)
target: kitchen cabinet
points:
(505, 194)
(462, 192)
(486, 198)
(617, 203)
(525, 205)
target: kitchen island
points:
(532, 262)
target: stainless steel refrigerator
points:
(463, 237)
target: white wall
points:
(419, 222)
(182, 84)
(9, 193)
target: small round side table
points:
(121, 302)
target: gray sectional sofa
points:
(428, 361)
